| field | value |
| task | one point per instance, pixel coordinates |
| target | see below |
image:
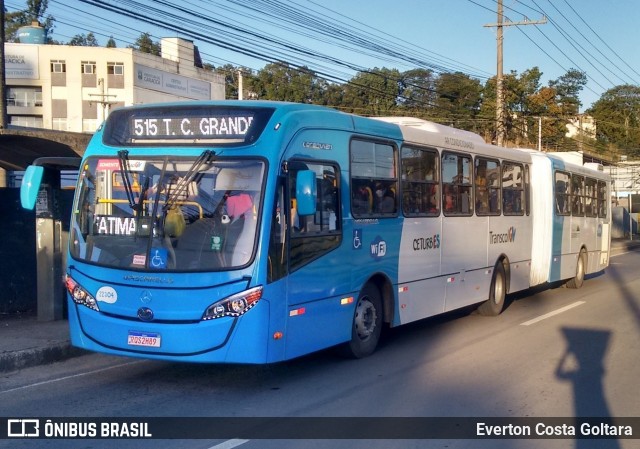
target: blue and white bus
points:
(255, 232)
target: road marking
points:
(621, 254)
(229, 444)
(550, 314)
(37, 384)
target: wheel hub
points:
(365, 320)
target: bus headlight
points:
(79, 294)
(235, 305)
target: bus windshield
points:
(178, 214)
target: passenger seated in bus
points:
(362, 201)
(561, 189)
(482, 202)
(465, 200)
(386, 199)
(449, 198)
(432, 199)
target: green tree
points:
(374, 92)
(84, 40)
(35, 12)
(459, 100)
(544, 104)
(111, 43)
(617, 115)
(418, 91)
(145, 44)
(522, 112)
(281, 82)
(333, 95)
(568, 88)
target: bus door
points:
(464, 238)
(318, 277)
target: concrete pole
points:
(499, 83)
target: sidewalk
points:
(27, 342)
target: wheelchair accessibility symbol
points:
(357, 238)
(158, 258)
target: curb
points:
(27, 358)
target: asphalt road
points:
(556, 352)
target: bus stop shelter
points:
(33, 242)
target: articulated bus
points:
(256, 232)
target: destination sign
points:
(228, 127)
(185, 124)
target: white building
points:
(72, 88)
(581, 125)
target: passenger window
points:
(602, 199)
(562, 192)
(320, 232)
(374, 182)
(513, 193)
(487, 186)
(325, 218)
(577, 196)
(456, 184)
(420, 182)
(590, 197)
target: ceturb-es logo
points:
(505, 237)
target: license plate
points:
(149, 339)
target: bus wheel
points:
(497, 293)
(367, 324)
(578, 280)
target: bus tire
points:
(578, 279)
(367, 324)
(497, 293)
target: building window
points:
(25, 97)
(89, 77)
(59, 124)
(89, 125)
(115, 68)
(58, 66)
(89, 67)
(115, 75)
(27, 121)
(58, 73)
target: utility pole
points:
(500, 125)
(3, 84)
(539, 133)
(104, 99)
(3, 103)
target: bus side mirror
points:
(306, 193)
(31, 186)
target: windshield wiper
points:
(125, 172)
(183, 183)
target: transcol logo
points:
(506, 237)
